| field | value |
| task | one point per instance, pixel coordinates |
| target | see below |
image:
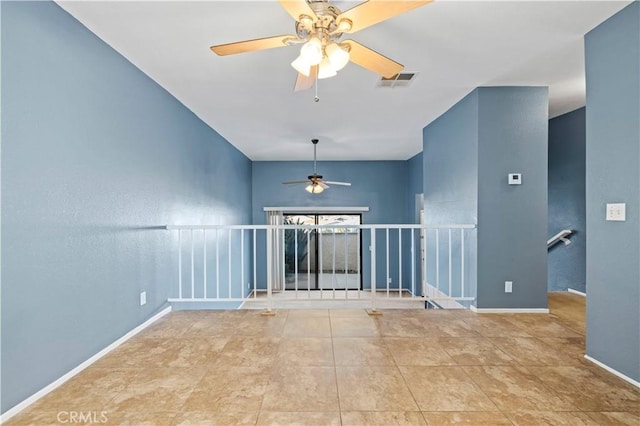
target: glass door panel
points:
(329, 259)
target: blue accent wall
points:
(512, 219)
(450, 184)
(567, 266)
(468, 153)
(613, 176)
(95, 157)
(379, 185)
(415, 200)
(415, 184)
(450, 155)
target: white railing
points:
(265, 264)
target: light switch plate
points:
(143, 298)
(508, 286)
(616, 212)
(515, 178)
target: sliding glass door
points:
(324, 259)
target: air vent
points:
(398, 80)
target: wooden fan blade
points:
(372, 12)
(372, 60)
(337, 183)
(303, 82)
(251, 45)
(295, 182)
(297, 8)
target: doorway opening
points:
(328, 258)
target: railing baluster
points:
(374, 284)
(179, 264)
(309, 264)
(229, 266)
(424, 262)
(242, 262)
(438, 258)
(358, 260)
(461, 262)
(321, 274)
(413, 263)
(270, 272)
(217, 264)
(204, 263)
(450, 270)
(283, 275)
(255, 265)
(400, 262)
(295, 257)
(346, 263)
(193, 269)
(333, 277)
(387, 253)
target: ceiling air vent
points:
(398, 80)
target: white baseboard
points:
(52, 386)
(510, 310)
(570, 290)
(614, 372)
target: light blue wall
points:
(512, 219)
(468, 153)
(95, 156)
(415, 168)
(450, 183)
(612, 169)
(450, 155)
(567, 201)
(379, 185)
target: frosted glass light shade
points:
(314, 189)
(338, 56)
(301, 65)
(312, 51)
(326, 70)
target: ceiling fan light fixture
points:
(326, 69)
(312, 51)
(337, 55)
(301, 65)
(314, 188)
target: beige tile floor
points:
(342, 367)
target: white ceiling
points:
(248, 98)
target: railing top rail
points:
(341, 226)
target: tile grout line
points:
(335, 368)
(504, 414)
(476, 384)
(404, 380)
(280, 339)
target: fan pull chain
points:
(316, 98)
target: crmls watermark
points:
(82, 417)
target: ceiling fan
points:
(315, 181)
(319, 27)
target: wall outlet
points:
(508, 286)
(249, 285)
(143, 298)
(617, 212)
(389, 280)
